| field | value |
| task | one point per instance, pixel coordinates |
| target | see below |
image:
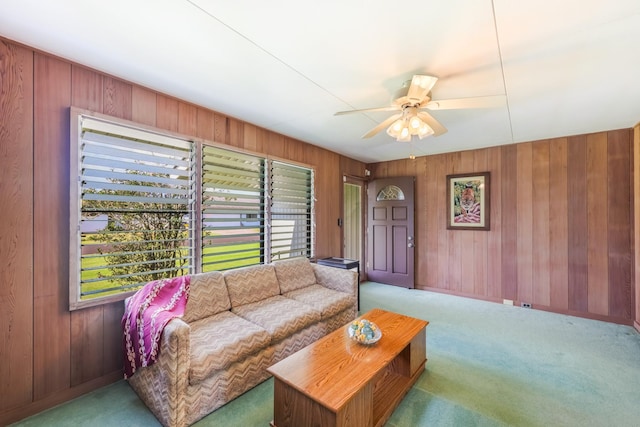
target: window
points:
(133, 208)
(291, 190)
(145, 205)
(390, 192)
(233, 226)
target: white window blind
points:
(136, 207)
(233, 221)
(291, 208)
(143, 207)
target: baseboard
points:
(460, 294)
(21, 412)
(516, 303)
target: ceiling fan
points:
(411, 101)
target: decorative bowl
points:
(364, 331)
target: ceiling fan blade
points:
(460, 103)
(382, 125)
(368, 110)
(420, 87)
(438, 129)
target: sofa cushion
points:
(336, 278)
(280, 316)
(250, 284)
(220, 340)
(294, 274)
(208, 296)
(327, 301)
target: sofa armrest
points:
(175, 349)
(162, 386)
(336, 278)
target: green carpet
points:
(488, 365)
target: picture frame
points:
(468, 201)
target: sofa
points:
(235, 325)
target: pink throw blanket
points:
(146, 314)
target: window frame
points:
(231, 164)
(196, 217)
(284, 191)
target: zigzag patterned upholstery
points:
(339, 320)
(208, 296)
(299, 340)
(294, 273)
(327, 301)
(332, 278)
(225, 385)
(251, 284)
(219, 340)
(237, 324)
(280, 316)
(162, 386)
(298, 281)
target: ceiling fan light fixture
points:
(395, 128)
(410, 124)
(404, 133)
(415, 122)
(424, 81)
(425, 131)
(409, 104)
(405, 136)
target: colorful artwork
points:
(468, 201)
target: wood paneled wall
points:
(636, 199)
(16, 226)
(562, 225)
(49, 354)
(560, 235)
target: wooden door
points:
(390, 231)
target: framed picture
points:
(468, 201)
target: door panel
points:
(399, 250)
(380, 241)
(379, 214)
(399, 213)
(390, 231)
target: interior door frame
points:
(362, 183)
(367, 237)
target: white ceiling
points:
(565, 67)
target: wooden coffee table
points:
(338, 382)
